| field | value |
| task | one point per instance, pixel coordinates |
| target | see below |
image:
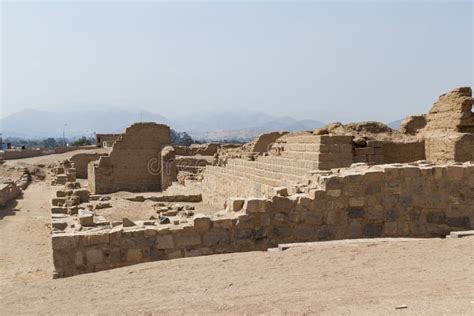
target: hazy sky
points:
(342, 61)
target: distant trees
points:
(49, 143)
(181, 138)
(83, 141)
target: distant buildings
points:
(106, 140)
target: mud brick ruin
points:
(360, 180)
(133, 163)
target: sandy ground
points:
(9, 173)
(48, 159)
(431, 277)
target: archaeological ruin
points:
(342, 181)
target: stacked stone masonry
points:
(399, 200)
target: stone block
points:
(354, 229)
(223, 223)
(58, 201)
(326, 232)
(374, 143)
(373, 230)
(356, 213)
(82, 194)
(197, 252)
(281, 231)
(57, 224)
(304, 232)
(164, 242)
(245, 221)
(202, 223)
(312, 217)
(134, 255)
(265, 220)
(390, 229)
(186, 238)
(86, 219)
(357, 201)
(392, 214)
(436, 217)
(337, 217)
(281, 191)
(280, 204)
(459, 222)
(94, 239)
(60, 194)
(78, 259)
(150, 232)
(216, 237)
(94, 256)
(64, 241)
(364, 151)
(235, 204)
(454, 172)
(175, 254)
(256, 205)
(417, 229)
(334, 193)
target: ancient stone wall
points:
(453, 112)
(8, 192)
(403, 152)
(450, 147)
(19, 154)
(264, 142)
(134, 162)
(399, 200)
(176, 159)
(81, 162)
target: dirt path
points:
(25, 240)
(433, 277)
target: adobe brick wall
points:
(450, 147)
(402, 152)
(399, 200)
(19, 154)
(452, 112)
(81, 162)
(134, 162)
(264, 142)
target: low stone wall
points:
(402, 152)
(29, 153)
(372, 153)
(19, 154)
(8, 192)
(400, 200)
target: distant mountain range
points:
(235, 125)
(213, 127)
(395, 124)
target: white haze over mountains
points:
(241, 125)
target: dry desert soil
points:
(430, 277)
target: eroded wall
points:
(134, 162)
(81, 161)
